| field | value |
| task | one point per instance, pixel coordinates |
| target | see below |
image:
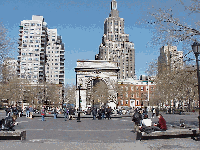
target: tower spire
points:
(113, 5)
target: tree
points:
(70, 97)
(100, 92)
(171, 28)
(53, 93)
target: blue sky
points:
(80, 23)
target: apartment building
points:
(41, 55)
(116, 46)
(170, 59)
(135, 93)
(33, 40)
(55, 58)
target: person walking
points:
(6, 110)
(27, 112)
(42, 113)
(153, 112)
(102, 113)
(54, 112)
(109, 113)
(31, 112)
(137, 117)
(94, 113)
(66, 113)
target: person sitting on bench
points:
(161, 126)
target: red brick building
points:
(134, 93)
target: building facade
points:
(170, 59)
(116, 46)
(33, 40)
(135, 93)
(41, 55)
(55, 58)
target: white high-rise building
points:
(41, 52)
(115, 45)
(55, 58)
(32, 49)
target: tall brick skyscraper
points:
(115, 44)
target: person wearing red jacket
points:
(162, 123)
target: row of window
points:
(126, 102)
(32, 24)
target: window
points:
(26, 24)
(136, 87)
(132, 88)
(142, 88)
(56, 63)
(137, 102)
(126, 88)
(121, 102)
(126, 94)
(126, 102)
(137, 95)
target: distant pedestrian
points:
(109, 113)
(6, 110)
(66, 113)
(42, 113)
(94, 113)
(99, 114)
(27, 112)
(153, 112)
(103, 113)
(54, 112)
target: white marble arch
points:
(89, 70)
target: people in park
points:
(161, 126)
(146, 122)
(27, 112)
(137, 117)
(66, 113)
(94, 113)
(43, 113)
(54, 112)
(102, 113)
(153, 112)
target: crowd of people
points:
(144, 123)
(102, 113)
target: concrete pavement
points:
(93, 134)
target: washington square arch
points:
(98, 79)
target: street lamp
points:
(79, 118)
(196, 50)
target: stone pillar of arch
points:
(89, 70)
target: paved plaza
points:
(92, 134)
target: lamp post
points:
(79, 118)
(196, 50)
